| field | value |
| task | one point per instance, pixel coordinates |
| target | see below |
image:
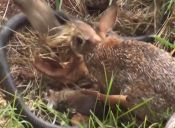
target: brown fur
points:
(83, 101)
(141, 71)
(74, 99)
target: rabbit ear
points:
(87, 31)
(48, 66)
(39, 14)
(107, 20)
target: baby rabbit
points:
(82, 101)
(140, 70)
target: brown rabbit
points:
(83, 100)
(140, 70)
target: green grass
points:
(164, 42)
(58, 4)
(50, 114)
(11, 119)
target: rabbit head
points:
(88, 37)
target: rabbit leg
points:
(110, 99)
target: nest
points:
(136, 17)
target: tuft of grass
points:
(10, 119)
(50, 114)
(164, 42)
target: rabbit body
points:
(140, 70)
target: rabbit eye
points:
(78, 42)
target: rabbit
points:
(139, 69)
(83, 101)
